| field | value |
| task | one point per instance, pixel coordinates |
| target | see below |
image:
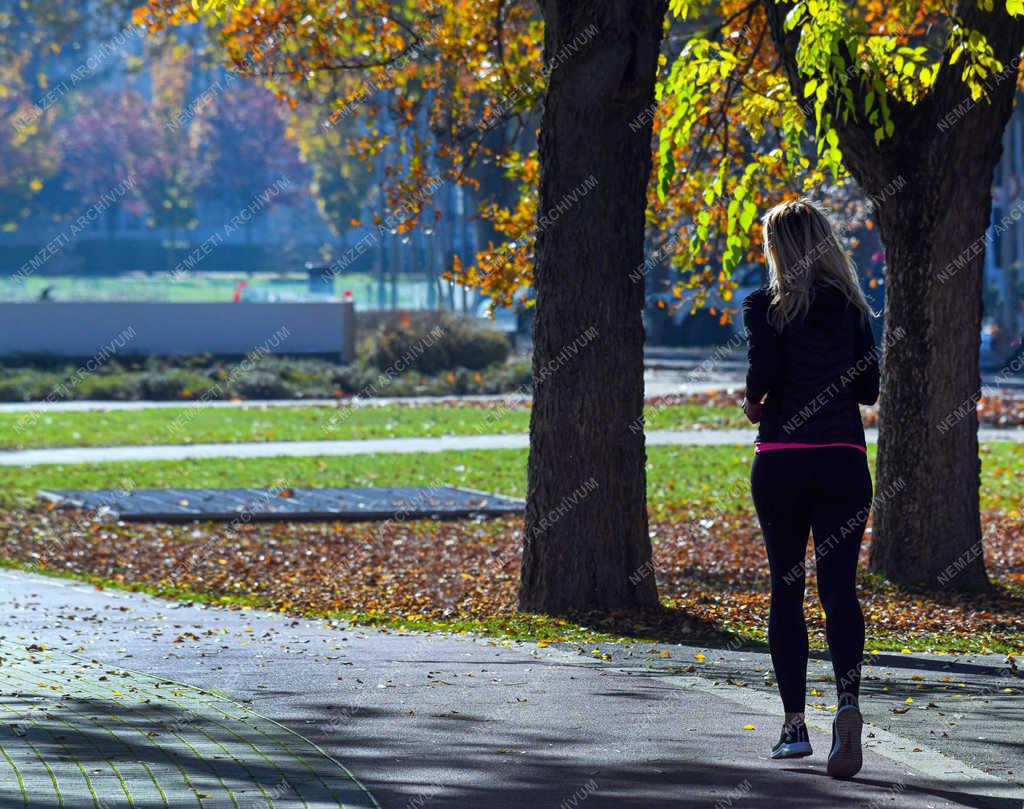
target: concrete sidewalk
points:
(418, 720)
(656, 383)
(269, 449)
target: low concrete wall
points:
(87, 329)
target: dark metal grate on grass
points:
(354, 504)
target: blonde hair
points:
(801, 249)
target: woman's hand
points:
(752, 409)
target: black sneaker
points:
(793, 743)
(845, 759)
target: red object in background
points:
(348, 295)
(238, 290)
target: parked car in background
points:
(668, 320)
(516, 321)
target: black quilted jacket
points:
(814, 373)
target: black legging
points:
(827, 490)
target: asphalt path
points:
(430, 720)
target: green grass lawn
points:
(694, 479)
(186, 425)
(210, 286)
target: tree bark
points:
(931, 186)
(927, 528)
(586, 543)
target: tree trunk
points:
(931, 183)
(926, 518)
(927, 530)
(586, 544)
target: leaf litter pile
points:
(711, 572)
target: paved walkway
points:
(657, 384)
(77, 733)
(269, 449)
(233, 404)
(419, 720)
(266, 449)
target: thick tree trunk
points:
(931, 183)
(586, 544)
(927, 530)
(926, 519)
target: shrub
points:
(174, 383)
(261, 384)
(273, 377)
(26, 385)
(454, 342)
(121, 387)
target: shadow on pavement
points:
(899, 788)
(476, 761)
(537, 777)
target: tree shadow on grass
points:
(665, 625)
(1000, 598)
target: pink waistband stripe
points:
(763, 446)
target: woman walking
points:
(812, 361)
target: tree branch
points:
(918, 123)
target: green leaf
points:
(666, 172)
(748, 214)
(794, 17)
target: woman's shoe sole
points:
(845, 758)
(794, 750)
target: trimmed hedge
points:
(451, 356)
(273, 377)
